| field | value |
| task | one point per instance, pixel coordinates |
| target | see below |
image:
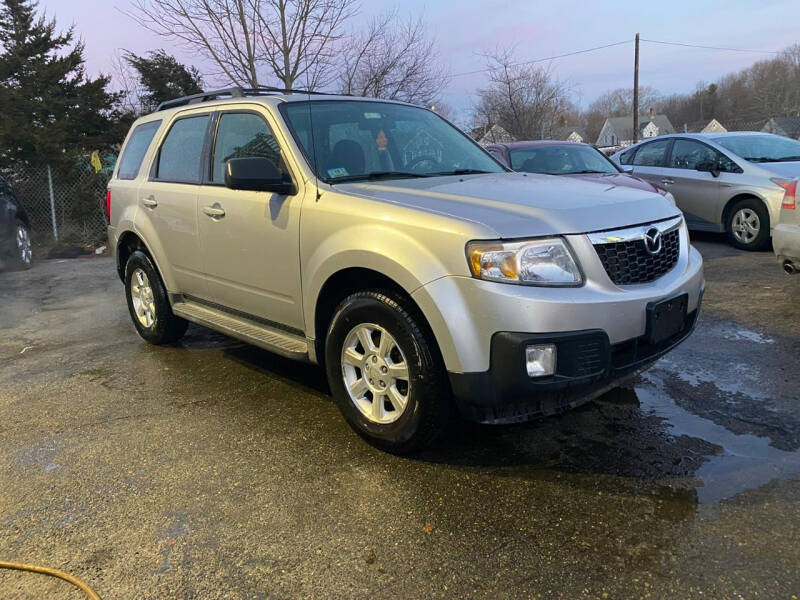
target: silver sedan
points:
(727, 182)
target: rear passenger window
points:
(181, 153)
(652, 154)
(135, 149)
(244, 135)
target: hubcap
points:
(375, 373)
(142, 296)
(746, 225)
(25, 252)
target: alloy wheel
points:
(143, 300)
(375, 373)
(746, 225)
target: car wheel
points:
(148, 303)
(23, 255)
(385, 372)
(748, 225)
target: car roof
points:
(536, 143)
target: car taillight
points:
(108, 206)
(789, 193)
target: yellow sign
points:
(95, 160)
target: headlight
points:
(530, 262)
(670, 197)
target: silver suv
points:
(377, 240)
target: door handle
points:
(215, 211)
(667, 181)
(150, 201)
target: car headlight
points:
(530, 262)
(670, 197)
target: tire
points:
(21, 247)
(387, 424)
(740, 225)
(148, 303)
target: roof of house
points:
(562, 133)
(624, 125)
(790, 125)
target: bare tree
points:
(393, 59)
(525, 100)
(294, 39)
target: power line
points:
(538, 60)
(709, 47)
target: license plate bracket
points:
(666, 318)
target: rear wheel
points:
(148, 303)
(23, 255)
(385, 373)
(748, 225)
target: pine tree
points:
(162, 78)
(49, 109)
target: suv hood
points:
(519, 205)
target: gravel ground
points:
(217, 470)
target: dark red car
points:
(553, 157)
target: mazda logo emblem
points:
(652, 240)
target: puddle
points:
(747, 461)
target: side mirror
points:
(627, 169)
(257, 174)
(708, 167)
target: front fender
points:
(379, 248)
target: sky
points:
(467, 29)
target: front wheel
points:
(748, 225)
(148, 303)
(385, 372)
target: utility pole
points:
(636, 92)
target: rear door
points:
(697, 192)
(650, 161)
(251, 252)
(168, 201)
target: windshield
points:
(567, 159)
(357, 140)
(761, 148)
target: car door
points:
(7, 211)
(168, 202)
(696, 190)
(250, 240)
(650, 159)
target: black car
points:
(15, 237)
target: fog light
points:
(540, 360)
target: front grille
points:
(629, 262)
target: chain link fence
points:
(64, 204)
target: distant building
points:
(786, 126)
(713, 126)
(491, 135)
(570, 133)
(617, 132)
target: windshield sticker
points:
(338, 172)
(381, 140)
(372, 115)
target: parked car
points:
(15, 236)
(728, 182)
(786, 235)
(377, 240)
(572, 159)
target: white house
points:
(713, 126)
(617, 132)
(491, 135)
(786, 126)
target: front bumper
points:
(588, 365)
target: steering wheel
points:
(414, 162)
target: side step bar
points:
(263, 336)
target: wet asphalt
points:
(217, 470)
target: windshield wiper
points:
(590, 172)
(458, 172)
(377, 175)
(758, 159)
(786, 159)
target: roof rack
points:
(235, 92)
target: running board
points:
(263, 336)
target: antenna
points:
(311, 134)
